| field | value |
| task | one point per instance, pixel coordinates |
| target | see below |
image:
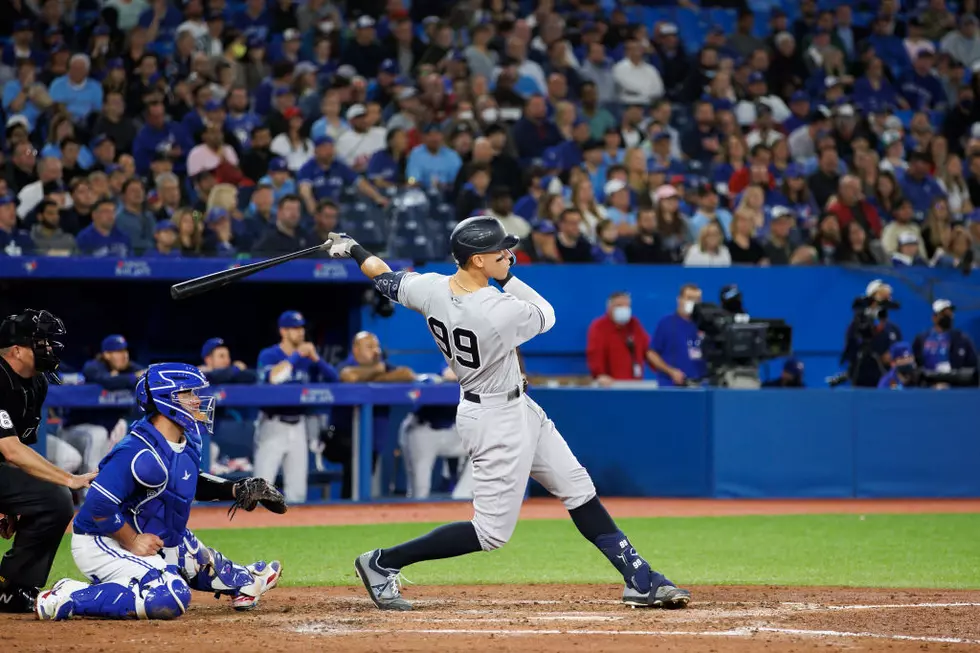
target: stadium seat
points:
(905, 115)
(415, 248)
(366, 223)
(443, 212)
(724, 18)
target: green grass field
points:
(941, 551)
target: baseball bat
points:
(215, 280)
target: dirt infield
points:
(542, 618)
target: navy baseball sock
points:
(595, 524)
(449, 541)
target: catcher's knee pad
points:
(163, 595)
(106, 601)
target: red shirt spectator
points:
(617, 343)
(849, 206)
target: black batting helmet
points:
(37, 330)
(479, 235)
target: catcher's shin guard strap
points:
(223, 576)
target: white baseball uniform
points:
(507, 435)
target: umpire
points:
(34, 499)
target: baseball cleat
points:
(665, 596)
(266, 577)
(55, 604)
(382, 584)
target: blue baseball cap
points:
(282, 90)
(114, 342)
(113, 168)
(389, 66)
(655, 167)
(100, 30)
(213, 105)
(430, 127)
(322, 139)
(661, 136)
(972, 216)
(210, 345)
(7, 199)
(900, 349)
(255, 41)
(723, 104)
(113, 64)
(165, 225)
(794, 171)
(23, 26)
(215, 214)
(98, 140)
(799, 96)
(291, 319)
(544, 227)
(550, 159)
(756, 77)
(278, 164)
(793, 367)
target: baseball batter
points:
(507, 435)
(130, 537)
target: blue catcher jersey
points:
(145, 481)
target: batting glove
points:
(341, 245)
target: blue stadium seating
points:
(366, 223)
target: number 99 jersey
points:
(478, 333)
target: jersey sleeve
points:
(406, 288)
(7, 429)
(516, 320)
(115, 483)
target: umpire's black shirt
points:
(20, 404)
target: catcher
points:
(130, 538)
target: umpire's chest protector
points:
(170, 480)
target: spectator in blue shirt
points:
(102, 238)
(253, 21)
(161, 22)
(606, 249)
(675, 351)
(432, 164)
(13, 241)
(943, 348)
(160, 135)
(534, 133)
(164, 241)
(921, 87)
(218, 367)
(19, 94)
(80, 94)
(908, 255)
(387, 167)
(919, 186)
(874, 89)
(902, 372)
(324, 177)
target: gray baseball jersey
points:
(477, 333)
(508, 439)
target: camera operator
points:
(676, 350)
(870, 335)
(791, 377)
(946, 355)
(903, 372)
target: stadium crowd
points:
(794, 133)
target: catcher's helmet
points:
(165, 389)
(37, 330)
(479, 235)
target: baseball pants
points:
(283, 445)
(45, 510)
(421, 445)
(91, 440)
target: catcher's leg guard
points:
(158, 595)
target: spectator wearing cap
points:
(702, 143)
(218, 367)
(617, 344)
(790, 377)
(618, 209)
(219, 238)
(675, 64)
(132, 219)
(280, 180)
(283, 102)
(920, 86)
(25, 95)
(902, 223)
(81, 95)
(903, 368)
(908, 253)
(874, 87)
(324, 176)
(364, 52)
(164, 241)
(13, 241)
(799, 107)
(161, 21)
(160, 135)
(253, 21)
(672, 227)
(782, 241)
(356, 146)
(803, 140)
(403, 46)
(746, 111)
(258, 157)
(823, 183)
(240, 120)
(432, 164)
(637, 82)
(919, 186)
(501, 206)
(382, 89)
(21, 42)
(944, 348)
(850, 205)
(102, 237)
(708, 211)
(661, 155)
(289, 48)
(291, 145)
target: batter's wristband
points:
(359, 254)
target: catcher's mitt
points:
(249, 492)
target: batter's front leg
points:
(557, 469)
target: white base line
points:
(835, 633)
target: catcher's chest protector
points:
(171, 482)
